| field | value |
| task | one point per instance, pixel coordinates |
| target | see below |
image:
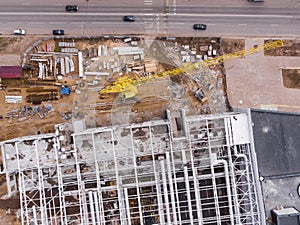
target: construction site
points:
(129, 130)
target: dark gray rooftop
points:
(277, 142)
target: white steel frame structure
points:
(139, 174)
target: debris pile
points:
(30, 112)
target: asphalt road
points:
(173, 17)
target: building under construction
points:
(185, 170)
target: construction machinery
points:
(127, 86)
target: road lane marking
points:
(141, 14)
(274, 25)
(26, 4)
(243, 24)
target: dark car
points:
(129, 18)
(58, 32)
(73, 8)
(199, 26)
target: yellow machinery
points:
(128, 86)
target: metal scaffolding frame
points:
(139, 174)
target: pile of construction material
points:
(27, 111)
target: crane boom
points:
(127, 84)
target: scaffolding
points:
(138, 173)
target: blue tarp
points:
(65, 91)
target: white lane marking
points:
(26, 4)
(179, 23)
(274, 25)
(243, 24)
(142, 14)
(99, 22)
(58, 4)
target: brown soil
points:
(13, 204)
(152, 104)
(9, 219)
(291, 78)
(290, 48)
(232, 45)
(16, 44)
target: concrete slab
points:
(256, 81)
(280, 192)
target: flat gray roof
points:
(277, 142)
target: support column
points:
(171, 188)
(137, 180)
(157, 184)
(34, 215)
(92, 207)
(166, 197)
(229, 144)
(187, 187)
(127, 205)
(99, 205)
(98, 222)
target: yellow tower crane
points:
(128, 86)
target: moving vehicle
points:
(19, 32)
(58, 32)
(199, 26)
(129, 18)
(71, 8)
(255, 0)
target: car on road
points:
(255, 0)
(129, 18)
(19, 32)
(58, 32)
(199, 26)
(72, 8)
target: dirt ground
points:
(232, 45)
(8, 207)
(16, 44)
(291, 78)
(290, 48)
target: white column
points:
(187, 187)
(97, 208)
(164, 179)
(92, 207)
(171, 188)
(127, 206)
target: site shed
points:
(10, 71)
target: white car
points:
(19, 32)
